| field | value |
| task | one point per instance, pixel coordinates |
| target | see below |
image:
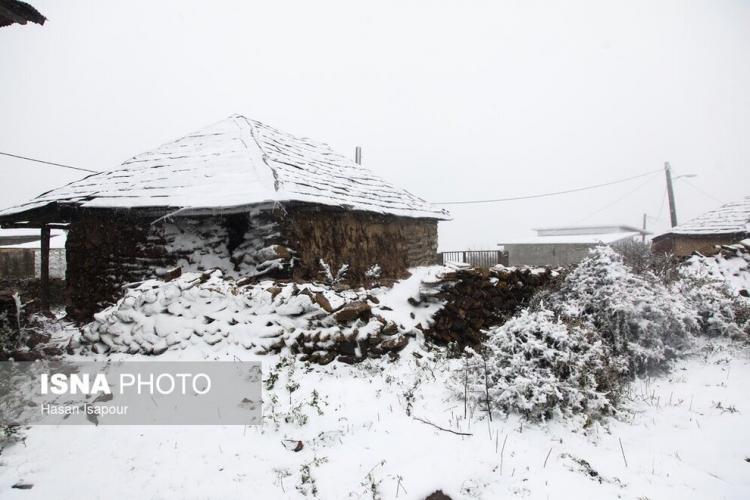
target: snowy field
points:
(683, 435)
(384, 429)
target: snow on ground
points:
(685, 434)
(399, 429)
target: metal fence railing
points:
(476, 258)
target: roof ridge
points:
(251, 128)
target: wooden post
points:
(670, 193)
(44, 269)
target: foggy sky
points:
(450, 100)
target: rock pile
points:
(477, 298)
(318, 322)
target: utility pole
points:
(670, 194)
(358, 155)
(643, 236)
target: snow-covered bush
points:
(638, 256)
(374, 271)
(715, 286)
(642, 322)
(328, 276)
(540, 366)
(717, 310)
(573, 348)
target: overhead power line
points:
(618, 200)
(554, 193)
(48, 163)
(704, 193)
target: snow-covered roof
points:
(727, 219)
(576, 239)
(232, 164)
(588, 230)
(31, 238)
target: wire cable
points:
(554, 193)
(48, 163)
(661, 205)
(701, 191)
(618, 200)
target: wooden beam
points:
(44, 269)
(35, 225)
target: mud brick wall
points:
(359, 239)
(685, 245)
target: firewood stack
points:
(477, 298)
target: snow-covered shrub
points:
(374, 272)
(714, 286)
(717, 310)
(641, 260)
(540, 366)
(328, 276)
(642, 322)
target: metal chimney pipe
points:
(358, 155)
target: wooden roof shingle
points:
(232, 164)
(731, 218)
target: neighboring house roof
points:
(731, 218)
(30, 238)
(233, 164)
(580, 235)
(588, 230)
(577, 239)
(13, 11)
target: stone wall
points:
(108, 249)
(104, 251)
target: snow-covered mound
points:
(316, 320)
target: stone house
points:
(239, 196)
(726, 225)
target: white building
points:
(564, 246)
